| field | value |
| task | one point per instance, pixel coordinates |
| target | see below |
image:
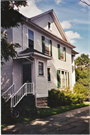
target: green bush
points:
(56, 98)
(77, 98)
(65, 97)
(59, 98)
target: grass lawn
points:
(37, 113)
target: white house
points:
(45, 59)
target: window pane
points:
(49, 77)
(49, 25)
(47, 44)
(62, 53)
(30, 35)
(31, 43)
(40, 68)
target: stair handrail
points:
(8, 89)
(18, 90)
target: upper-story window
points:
(49, 26)
(30, 39)
(46, 46)
(61, 53)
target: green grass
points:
(45, 112)
(41, 113)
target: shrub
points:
(65, 97)
(56, 98)
(59, 98)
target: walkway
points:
(71, 122)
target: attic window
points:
(49, 25)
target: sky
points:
(73, 15)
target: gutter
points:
(25, 54)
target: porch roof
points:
(30, 51)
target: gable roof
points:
(30, 21)
(56, 21)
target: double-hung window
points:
(46, 46)
(61, 53)
(41, 68)
(30, 39)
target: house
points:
(45, 59)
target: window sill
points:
(62, 60)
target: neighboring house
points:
(45, 58)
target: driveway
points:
(71, 122)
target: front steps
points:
(42, 102)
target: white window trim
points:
(43, 68)
(49, 44)
(60, 52)
(50, 26)
(28, 36)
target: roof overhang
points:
(74, 52)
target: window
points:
(62, 79)
(49, 25)
(61, 53)
(30, 39)
(49, 74)
(46, 46)
(41, 68)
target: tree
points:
(82, 60)
(7, 49)
(9, 18)
(87, 2)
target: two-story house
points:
(45, 59)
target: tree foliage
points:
(7, 49)
(9, 18)
(82, 82)
(83, 59)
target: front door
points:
(27, 73)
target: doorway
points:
(27, 75)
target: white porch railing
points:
(26, 88)
(8, 93)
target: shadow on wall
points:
(6, 75)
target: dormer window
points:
(30, 39)
(49, 25)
